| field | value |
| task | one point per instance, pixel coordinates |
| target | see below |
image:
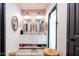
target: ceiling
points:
(31, 6)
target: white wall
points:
(49, 9)
(62, 28)
(12, 37)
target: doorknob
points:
(56, 22)
(72, 39)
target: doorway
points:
(53, 28)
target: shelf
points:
(34, 44)
(31, 48)
(35, 33)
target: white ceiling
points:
(31, 6)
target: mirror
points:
(14, 23)
(27, 25)
(38, 22)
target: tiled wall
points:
(33, 39)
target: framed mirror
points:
(14, 23)
(27, 25)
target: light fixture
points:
(26, 17)
(39, 17)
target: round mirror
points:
(14, 23)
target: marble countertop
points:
(27, 52)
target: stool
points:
(50, 52)
(13, 53)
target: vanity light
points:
(26, 17)
(39, 17)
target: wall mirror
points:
(27, 25)
(38, 22)
(14, 23)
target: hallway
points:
(32, 27)
(31, 20)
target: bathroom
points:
(31, 33)
(33, 27)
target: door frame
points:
(68, 28)
(3, 29)
(52, 10)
